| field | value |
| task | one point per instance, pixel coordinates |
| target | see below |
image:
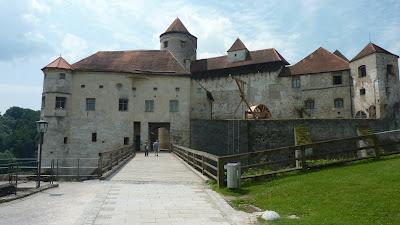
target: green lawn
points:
(363, 193)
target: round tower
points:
(180, 43)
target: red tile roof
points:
(59, 63)
(222, 62)
(140, 61)
(237, 45)
(321, 60)
(370, 49)
(177, 26)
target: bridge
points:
(146, 190)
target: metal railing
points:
(292, 158)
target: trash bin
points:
(233, 174)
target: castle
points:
(114, 98)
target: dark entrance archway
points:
(155, 133)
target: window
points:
(126, 141)
(389, 69)
(83, 86)
(61, 76)
(183, 44)
(337, 79)
(65, 140)
(339, 103)
(43, 101)
(155, 88)
(101, 86)
(149, 105)
(90, 104)
(123, 104)
(94, 137)
(134, 89)
(296, 82)
(177, 89)
(309, 104)
(362, 71)
(173, 105)
(165, 44)
(362, 91)
(60, 102)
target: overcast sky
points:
(34, 32)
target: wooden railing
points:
(110, 159)
(291, 158)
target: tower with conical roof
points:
(180, 42)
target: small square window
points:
(337, 79)
(65, 140)
(126, 140)
(149, 105)
(134, 89)
(90, 104)
(165, 44)
(183, 44)
(296, 82)
(155, 88)
(123, 104)
(83, 86)
(94, 137)
(362, 91)
(101, 86)
(173, 105)
(61, 76)
(60, 102)
(338, 103)
(177, 89)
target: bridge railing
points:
(109, 160)
(291, 158)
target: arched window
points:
(362, 71)
(361, 115)
(309, 105)
(372, 112)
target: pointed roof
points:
(237, 45)
(176, 27)
(59, 63)
(371, 48)
(338, 53)
(320, 61)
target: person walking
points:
(146, 148)
(156, 146)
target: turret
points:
(376, 82)
(180, 43)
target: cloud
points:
(73, 47)
(39, 7)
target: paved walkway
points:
(148, 190)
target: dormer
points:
(237, 52)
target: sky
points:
(35, 32)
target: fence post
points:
(100, 165)
(220, 173)
(111, 160)
(297, 155)
(378, 150)
(202, 164)
(79, 178)
(303, 158)
(57, 171)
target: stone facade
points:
(168, 88)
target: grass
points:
(366, 192)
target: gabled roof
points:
(370, 49)
(237, 45)
(177, 27)
(321, 60)
(140, 61)
(59, 63)
(255, 57)
(338, 53)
